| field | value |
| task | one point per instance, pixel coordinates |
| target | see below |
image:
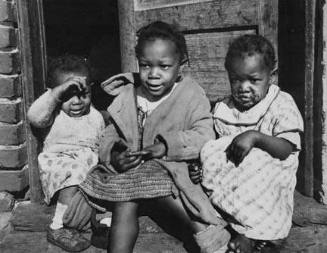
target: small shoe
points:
(68, 239)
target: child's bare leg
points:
(64, 198)
(209, 238)
(176, 208)
(66, 194)
(124, 227)
(68, 239)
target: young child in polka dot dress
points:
(72, 128)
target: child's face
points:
(159, 65)
(77, 105)
(250, 80)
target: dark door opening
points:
(89, 29)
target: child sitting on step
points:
(249, 172)
(72, 127)
(159, 122)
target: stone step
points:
(29, 216)
(302, 239)
(30, 220)
(33, 242)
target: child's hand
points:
(157, 150)
(195, 172)
(241, 146)
(72, 86)
(123, 161)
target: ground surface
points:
(26, 234)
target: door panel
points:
(207, 55)
(205, 15)
(209, 26)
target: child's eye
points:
(164, 66)
(144, 65)
(234, 79)
(253, 80)
(84, 94)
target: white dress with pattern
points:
(70, 151)
(259, 192)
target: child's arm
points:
(41, 112)
(186, 144)
(242, 144)
(284, 139)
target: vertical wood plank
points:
(127, 35)
(268, 21)
(324, 106)
(310, 15)
(33, 63)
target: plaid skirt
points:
(149, 180)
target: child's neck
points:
(143, 92)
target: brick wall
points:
(12, 131)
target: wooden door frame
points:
(127, 37)
(33, 75)
(308, 168)
(33, 60)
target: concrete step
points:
(30, 220)
(35, 242)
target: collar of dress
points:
(226, 111)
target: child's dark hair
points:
(248, 45)
(65, 64)
(162, 30)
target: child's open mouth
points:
(154, 87)
(76, 112)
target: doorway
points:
(89, 29)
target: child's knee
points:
(66, 194)
(126, 210)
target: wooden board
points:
(207, 53)
(208, 26)
(310, 15)
(33, 65)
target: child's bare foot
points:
(241, 244)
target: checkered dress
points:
(259, 192)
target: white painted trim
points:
(142, 5)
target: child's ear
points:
(274, 76)
(182, 68)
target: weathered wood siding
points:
(209, 26)
(324, 108)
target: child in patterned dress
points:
(249, 172)
(72, 127)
